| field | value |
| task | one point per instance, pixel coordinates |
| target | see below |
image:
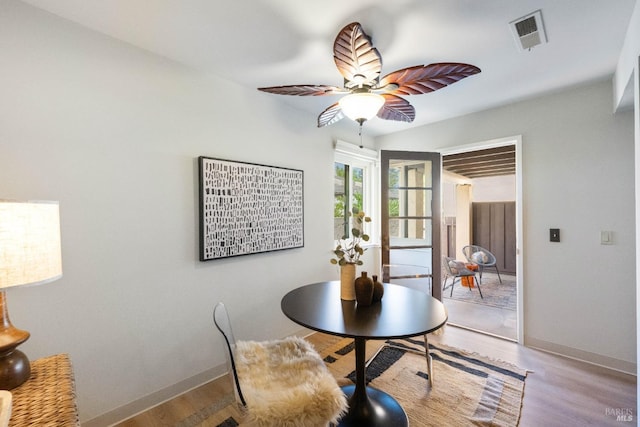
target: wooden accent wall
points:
(494, 228)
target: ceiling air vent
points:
(529, 31)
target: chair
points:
(407, 275)
(456, 269)
(280, 382)
(426, 353)
(482, 257)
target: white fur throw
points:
(286, 384)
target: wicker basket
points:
(48, 398)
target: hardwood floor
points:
(558, 391)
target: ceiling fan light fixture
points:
(361, 106)
(360, 64)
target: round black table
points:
(403, 312)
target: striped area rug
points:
(468, 389)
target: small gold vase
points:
(347, 280)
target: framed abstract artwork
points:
(247, 208)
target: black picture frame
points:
(248, 208)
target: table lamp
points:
(30, 254)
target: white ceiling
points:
(278, 42)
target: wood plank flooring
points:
(559, 391)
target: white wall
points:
(113, 133)
(627, 84)
(449, 182)
(578, 175)
(463, 219)
(623, 80)
(494, 188)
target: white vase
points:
(347, 280)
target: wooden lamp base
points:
(15, 369)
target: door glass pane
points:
(414, 257)
(409, 173)
(410, 203)
(415, 274)
(410, 232)
(394, 174)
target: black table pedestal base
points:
(377, 409)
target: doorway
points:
(482, 206)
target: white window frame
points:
(368, 161)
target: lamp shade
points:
(30, 251)
(361, 106)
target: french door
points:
(410, 213)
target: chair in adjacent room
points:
(280, 382)
(482, 257)
(457, 270)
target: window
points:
(348, 197)
(354, 183)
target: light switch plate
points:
(606, 237)
(554, 234)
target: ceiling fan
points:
(369, 95)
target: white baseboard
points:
(584, 356)
(145, 403)
(154, 399)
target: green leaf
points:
(365, 237)
(359, 262)
(342, 262)
(334, 261)
(356, 232)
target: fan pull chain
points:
(360, 135)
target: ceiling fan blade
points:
(426, 78)
(304, 90)
(331, 115)
(396, 108)
(354, 55)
